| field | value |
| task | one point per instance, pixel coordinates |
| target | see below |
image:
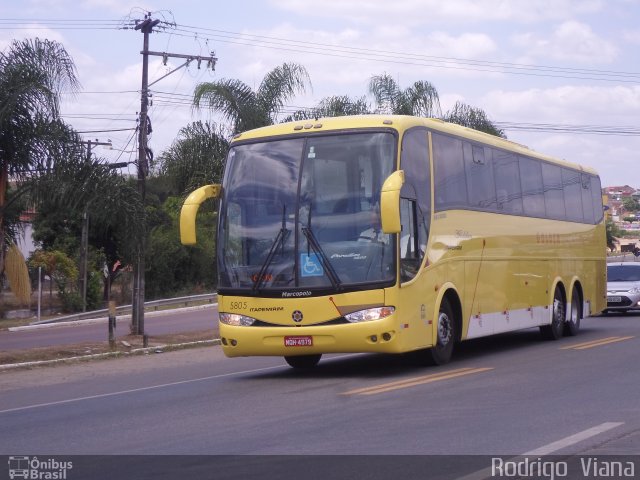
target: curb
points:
(135, 351)
(91, 321)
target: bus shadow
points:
(379, 366)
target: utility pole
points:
(137, 313)
(146, 27)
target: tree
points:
(195, 158)
(173, 268)
(613, 233)
(75, 185)
(335, 106)
(247, 109)
(472, 117)
(631, 204)
(59, 267)
(33, 74)
(421, 99)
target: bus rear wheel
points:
(572, 325)
(555, 329)
(303, 362)
(446, 335)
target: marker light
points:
(369, 314)
(235, 319)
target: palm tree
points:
(195, 158)
(33, 74)
(472, 117)
(75, 186)
(335, 106)
(247, 109)
(421, 99)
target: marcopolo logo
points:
(38, 469)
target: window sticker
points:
(310, 265)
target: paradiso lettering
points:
(548, 238)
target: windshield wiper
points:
(281, 238)
(315, 245)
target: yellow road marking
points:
(412, 382)
(596, 343)
(588, 343)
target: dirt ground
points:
(123, 345)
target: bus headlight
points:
(235, 319)
(369, 314)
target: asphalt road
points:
(507, 395)
(156, 323)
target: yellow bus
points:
(397, 234)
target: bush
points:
(71, 301)
(94, 291)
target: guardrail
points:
(124, 309)
(625, 257)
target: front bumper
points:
(623, 301)
(376, 336)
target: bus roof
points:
(399, 123)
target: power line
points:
(405, 57)
(339, 51)
(110, 130)
(617, 130)
(60, 24)
(113, 117)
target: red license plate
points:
(298, 341)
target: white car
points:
(623, 287)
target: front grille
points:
(335, 321)
(624, 302)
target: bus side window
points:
(481, 189)
(553, 191)
(587, 200)
(572, 187)
(507, 177)
(411, 249)
(598, 212)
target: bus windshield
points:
(303, 213)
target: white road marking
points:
(135, 390)
(487, 473)
(153, 387)
(573, 439)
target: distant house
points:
(620, 193)
(616, 197)
(25, 238)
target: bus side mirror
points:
(190, 210)
(390, 202)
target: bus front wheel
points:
(445, 335)
(303, 362)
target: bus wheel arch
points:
(575, 310)
(448, 328)
(555, 329)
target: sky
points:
(560, 76)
